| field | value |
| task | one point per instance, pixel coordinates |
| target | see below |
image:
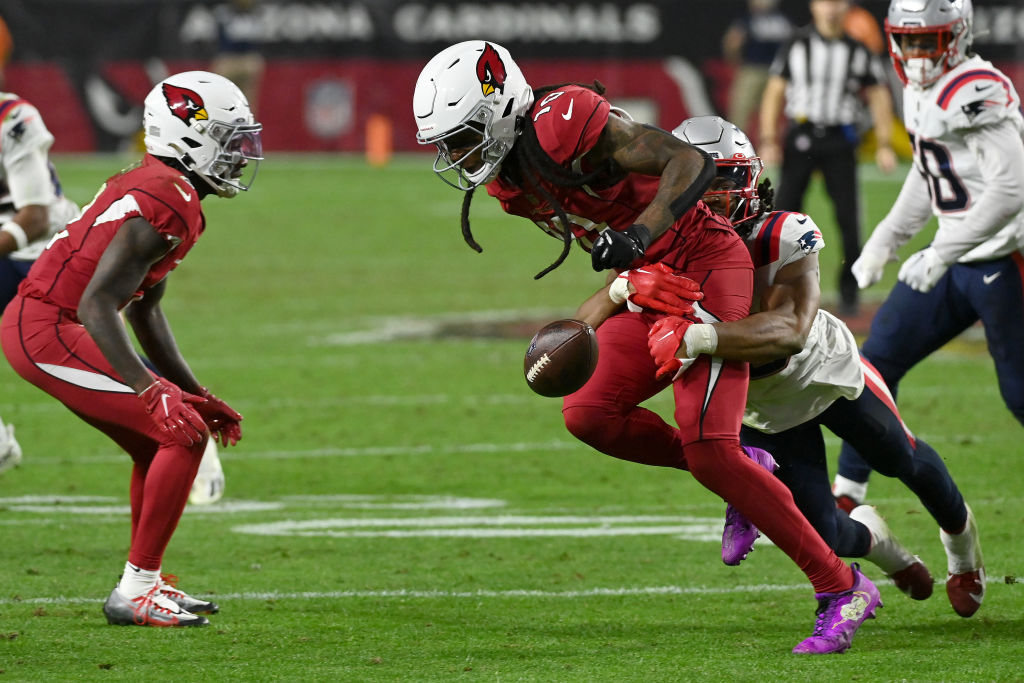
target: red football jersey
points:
(569, 122)
(153, 190)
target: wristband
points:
(700, 339)
(618, 291)
(17, 232)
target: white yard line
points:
(443, 594)
(369, 451)
(516, 593)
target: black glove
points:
(614, 249)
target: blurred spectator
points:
(238, 58)
(750, 44)
(820, 76)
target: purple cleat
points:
(840, 615)
(740, 533)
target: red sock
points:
(723, 467)
(164, 495)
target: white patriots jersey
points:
(790, 391)
(26, 174)
(940, 119)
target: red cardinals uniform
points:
(711, 395)
(47, 345)
(700, 245)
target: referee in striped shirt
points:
(824, 77)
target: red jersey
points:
(569, 122)
(152, 190)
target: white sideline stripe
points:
(441, 594)
(637, 591)
(369, 451)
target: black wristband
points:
(641, 234)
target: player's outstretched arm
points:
(779, 329)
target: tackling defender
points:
(806, 374)
(64, 332)
(563, 157)
(967, 134)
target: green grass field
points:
(403, 508)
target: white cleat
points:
(848, 493)
(965, 584)
(148, 609)
(208, 486)
(906, 570)
(10, 451)
(167, 586)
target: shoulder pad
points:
(976, 97)
(785, 237)
(569, 121)
(21, 128)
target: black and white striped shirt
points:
(824, 78)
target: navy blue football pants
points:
(12, 272)
(910, 326)
(869, 422)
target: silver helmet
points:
(735, 159)
(941, 34)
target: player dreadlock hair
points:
(528, 164)
(766, 195)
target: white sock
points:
(136, 581)
(848, 487)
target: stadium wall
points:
(339, 73)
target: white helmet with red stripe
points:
(927, 38)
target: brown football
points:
(561, 357)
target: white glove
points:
(869, 266)
(923, 269)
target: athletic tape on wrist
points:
(17, 232)
(700, 339)
(619, 289)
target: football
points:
(561, 357)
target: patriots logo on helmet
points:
(185, 104)
(808, 240)
(490, 71)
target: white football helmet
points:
(734, 157)
(470, 90)
(203, 120)
(950, 21)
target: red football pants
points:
(47, 347)
(710, 398)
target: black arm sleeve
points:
(697, 188)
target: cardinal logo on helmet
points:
(490, 70)
(186, 104)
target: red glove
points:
(170, 409)
(223, 420)
(658, 288)
(664, 340)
